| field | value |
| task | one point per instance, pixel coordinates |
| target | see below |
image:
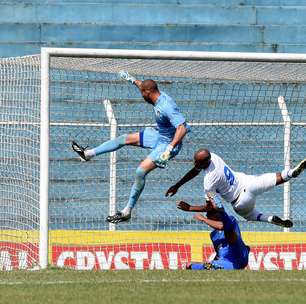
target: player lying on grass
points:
(165, 140)
(231, 251)
(238, 188)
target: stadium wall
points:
(210, 25)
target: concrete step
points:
(22, 49)
(17, 32)
(151, 14)
(73, 33)
(18, 49)
(283, 3)
(23, 39)
(108, 13)
(287, 35)
(281, 16)
(225, 3)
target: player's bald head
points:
(202, 159)
(149, 91)
(149, 85)
(202, 155)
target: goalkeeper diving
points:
(231, 252)
(165, 141)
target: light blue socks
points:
(108, 146)
(140, 179)
(136, 190)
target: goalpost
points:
(247, 107)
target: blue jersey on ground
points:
(229, 256)
(168, 117)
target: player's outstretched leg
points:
(295, 172)
(109, 146)
(118, 217)
(80, 151)
(124, 215)
(280, 222)
(255, 215)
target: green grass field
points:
(63, 286)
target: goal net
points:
(234, 109)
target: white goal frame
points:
(47, 53)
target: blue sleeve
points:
(229, 222)
(173, 113)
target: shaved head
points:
(149, 85)
(202, 155)
(149, 91)
(202, 159)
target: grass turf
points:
(64, 286)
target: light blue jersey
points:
(168, 117)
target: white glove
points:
(162, 162)
(126, 76)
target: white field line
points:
(147, 281)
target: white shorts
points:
(253, 185)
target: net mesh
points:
(233, 111)
(19, 161)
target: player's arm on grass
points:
(186, 178)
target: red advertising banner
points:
(271, 257)
(144, 256)
(274, 257)
(18, 255)
(130, 256)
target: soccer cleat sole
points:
(299, 168)
(79, 150)
(280, 222)
(118, 218)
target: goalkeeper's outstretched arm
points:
(138, 83)
(126, 76)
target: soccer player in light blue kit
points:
(165, 140)
(231, 252)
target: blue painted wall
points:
(224, 25)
